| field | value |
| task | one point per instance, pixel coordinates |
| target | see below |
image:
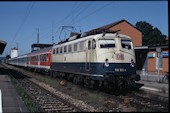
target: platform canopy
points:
(2, 46)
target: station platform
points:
(152, 83)
(9, 99)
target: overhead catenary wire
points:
(60, 22)
(80, 12)
(95, 11)
(23, 21)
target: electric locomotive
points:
(104, 59)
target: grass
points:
(146, 110)
(92, 97)
(28, 102)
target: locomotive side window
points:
(57, 50)
(65, 49)
(93, 44)
(60, 49)
(127, 44)
(54, 52)
(81, 46)
(107, 43)
(75, 47)
(70, 48)
(89, 45)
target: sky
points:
(20, 21)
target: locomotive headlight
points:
(132, 63)
(106, 64)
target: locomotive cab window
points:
(107, 43)
(127, 44)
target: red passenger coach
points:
(40, 59)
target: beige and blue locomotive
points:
(105, 59)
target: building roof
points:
(106, 27)
(2, 46)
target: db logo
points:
(119, 56)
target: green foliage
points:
(28, 102)
(151, 35)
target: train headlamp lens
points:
(132, 63)
(106, 64)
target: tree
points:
(151, 35)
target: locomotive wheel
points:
(96, 84)
(86, 82)
(105, 84)
(75, 80)
(70, 77)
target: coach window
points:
(46, 59)
(40, 57)
(36, 57)
(89, 45)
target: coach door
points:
(88, 54)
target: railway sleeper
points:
(54, 106)
(59, 109)
(50, 102)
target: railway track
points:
(148, 101)
(45, 100)
(141, 101)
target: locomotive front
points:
(116, 60)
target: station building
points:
(146, 56)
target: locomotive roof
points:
(92, 36)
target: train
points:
(98, 60)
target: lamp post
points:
(158, 61)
